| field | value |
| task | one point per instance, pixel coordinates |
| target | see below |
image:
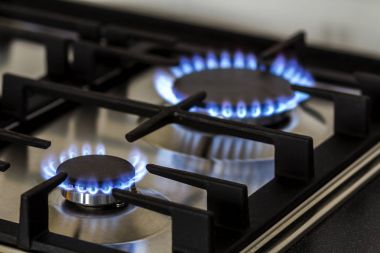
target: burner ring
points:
(90, 200)
(235, 85)
(282, 70)
(233, 91)
(91, 178)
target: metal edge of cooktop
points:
(6, 249)
(337, 194)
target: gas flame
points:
(50, 164)
(288, 69)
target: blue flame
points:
(251, 61)
(86, 149)
(164, 84)
(288, 69)
(199, 63)
(106, 187)
(225, 60)
(268, 108)
(239, 60)
(93, 188)
(227, 110)
(186, 65)
(100, 149)
(241, 110)
(291, 71)
(212, 109)
(255, 109)
(211, 61)
(135, 157)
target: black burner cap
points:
(234, 85)
(99, 168)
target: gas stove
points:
(126, 133)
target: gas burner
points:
(237, 87)
(91, 177)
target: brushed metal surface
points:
(132, 229)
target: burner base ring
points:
(91, 200)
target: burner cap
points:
(99, 168)
(234, 85)
(91, 178)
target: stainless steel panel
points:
(133, 228)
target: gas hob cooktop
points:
(124, 133)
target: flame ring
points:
(50, 164)
(288, 69)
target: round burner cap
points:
(99, 168)
(234, 85)
(91, 178)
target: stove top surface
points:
(141, 160)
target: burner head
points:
(237, 86)
(91, 178)
(233, 89)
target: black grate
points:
(18, 138)
(32, 233)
